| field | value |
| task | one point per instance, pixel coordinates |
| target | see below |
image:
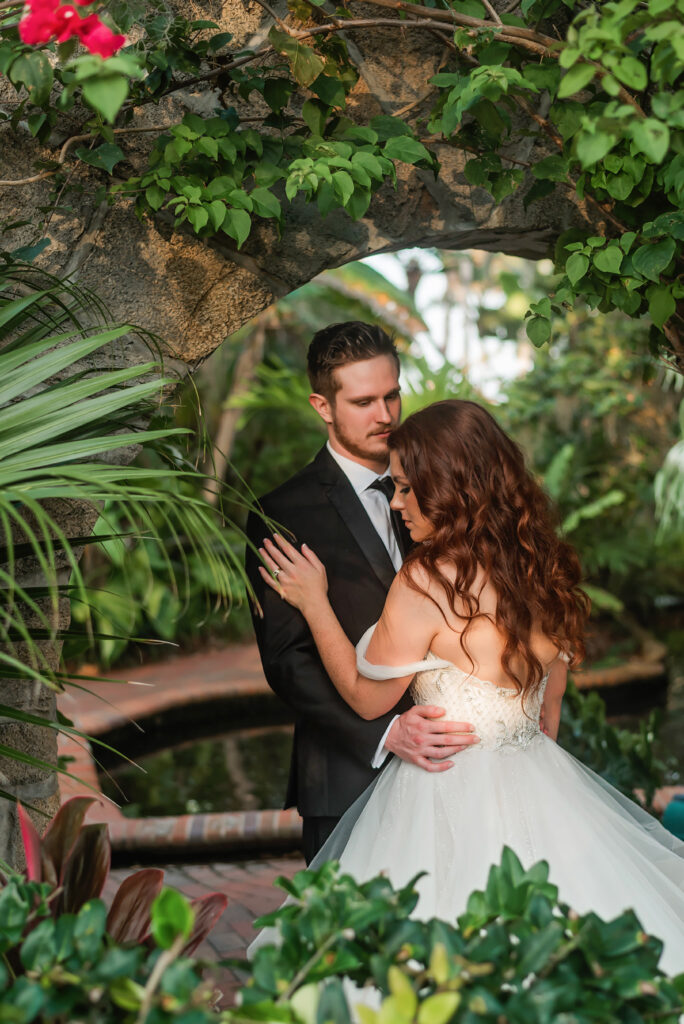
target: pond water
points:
(242, 770)
(189, 769)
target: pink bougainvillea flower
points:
(48, 19)
(96, 37)
(38, 26)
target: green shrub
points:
(517, 955)
(624, 758)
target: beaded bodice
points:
(495, 712)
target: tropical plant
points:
(72, 861)
(68, 405)
(625, 758)
(70, 967)
(517, 953)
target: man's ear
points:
(322, 406)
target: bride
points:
(483, 619)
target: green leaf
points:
(577, 78)
(631, 72)
(155, 196)
(651, 137)
(576, 267)
(439, 1009)
(305, 63)
(217, 213)
(343, 186)
(370, 163)
(238, 225)
(609, 259)
(538, 330)
(406, 149)
(650, 260)
(208, 147)
(388, 127)
(593, 509)
(39, 949)
(553, 168)
(330, 90)
(265, 203)
(171, 916)
(661, 304)
(593, 147)
(315, 114)
(34, 71)
(106, 157)
(106, 94)
(35, 122)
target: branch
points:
(492, 12)
(82, 138)
(426, 23)
(206, 77)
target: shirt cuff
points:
(381, 754)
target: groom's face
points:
(366, 407)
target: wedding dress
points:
(515, 788)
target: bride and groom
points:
(476, 613)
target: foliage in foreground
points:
(74, 858)
(517, 954)
(70, 968)
(65, 957)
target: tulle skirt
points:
(605, 853)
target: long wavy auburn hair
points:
(488, 512)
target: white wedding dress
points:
(515, 788)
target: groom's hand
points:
(421, 734)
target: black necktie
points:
(385, 486)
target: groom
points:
(339, 505)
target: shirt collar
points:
(360, 477)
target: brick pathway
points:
(229, 673)
(250, 891)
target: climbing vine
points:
(596, 87)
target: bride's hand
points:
(299, 577)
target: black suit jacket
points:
(333, 746)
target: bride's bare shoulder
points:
(415, 590)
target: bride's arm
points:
(553, 697)
(403, 637)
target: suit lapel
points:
(342, 496)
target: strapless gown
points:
(515, 788)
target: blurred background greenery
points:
(598, 418)
(595, 418)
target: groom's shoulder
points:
(304, 482)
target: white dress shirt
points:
(377, 507)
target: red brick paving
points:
(250, 891)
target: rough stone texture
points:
(192, 293)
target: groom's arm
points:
(294, 670)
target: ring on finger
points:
(276, 573)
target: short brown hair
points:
(340, 344)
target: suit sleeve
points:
(294, 670)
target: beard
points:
(368, 447)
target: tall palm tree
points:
(73, 411)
